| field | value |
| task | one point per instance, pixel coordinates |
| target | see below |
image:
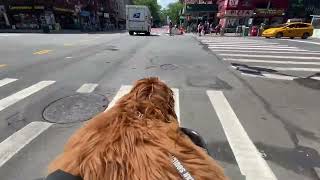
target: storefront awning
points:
(191, 8)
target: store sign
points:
(269, 12)
(84, 13)
(20, 7)
(233, 3)
(238, 13)
(63, 9)
(2, 9)
(39, 7)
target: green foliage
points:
(153, 6)
(173, 11)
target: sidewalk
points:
(64, 31)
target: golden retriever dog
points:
(135, 140)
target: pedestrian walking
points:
(200, 29)
(218, 29)
(170, 28)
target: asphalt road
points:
(234, 106)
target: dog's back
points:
(135, 140)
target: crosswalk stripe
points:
(269, 56)
(268, 52)
(249, 160)
(122, 91)
(87, 88)
(6, 81)
(18, 140)
(126, 89)
(244, 44)
(270, 62)
(290, 68)
(12, 99)
(176, 103)
(309, 42)
(264, 46)
(256, 48)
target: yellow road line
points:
(2, 65)
(46, 51)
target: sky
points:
(164, 3)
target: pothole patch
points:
(208, 82)
(112, 48)
(308, 82)
(75, 108)
(168, 67)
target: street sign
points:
(238, 13)
(233, 3)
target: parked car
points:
(292, 30)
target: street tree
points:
(154, 8)
(173, 11)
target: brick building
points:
(69, 14)
(233, 13)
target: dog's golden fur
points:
(133, 141)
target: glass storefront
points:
(26, 21)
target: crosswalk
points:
(263, 59)
(9, 35)
(249, 160)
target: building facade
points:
(65, 14)
(233, 13)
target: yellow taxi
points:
(292, 30)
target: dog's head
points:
(150, 98)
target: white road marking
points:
(229, 40)
(18, 140)
(255, 48)
(126, 89)
(8, 35)
(316, 78)
(268, 52)
(271, 61)
(176, 103)
(87, 88)
(269, 56)
(290, 68)
(12, 99)
(6, 81)
(249, 160)
(309, 42)
(279, 77)
(122, 91)
(243, 44)
(69, 57)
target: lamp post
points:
(268, 7)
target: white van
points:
(139, 19)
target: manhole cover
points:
(75, 108)
(168, 66)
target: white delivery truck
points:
(139, 19)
